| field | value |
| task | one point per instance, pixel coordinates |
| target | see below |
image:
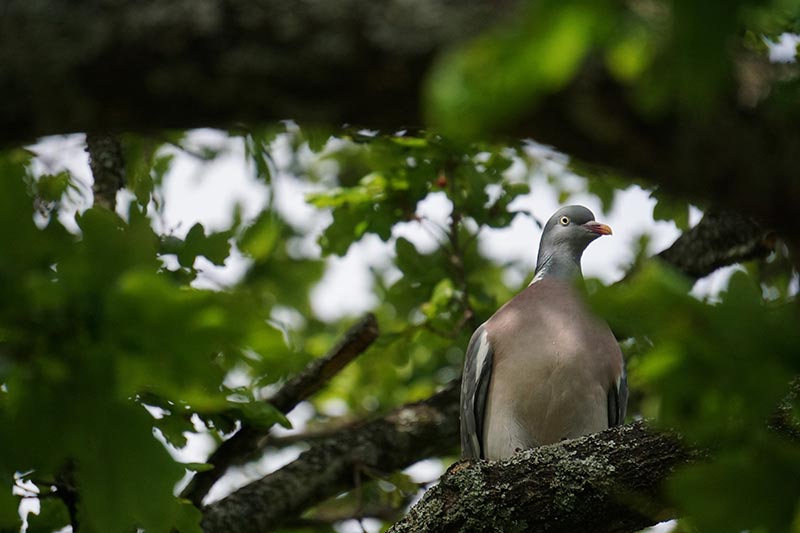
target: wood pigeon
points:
(543, 368)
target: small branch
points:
(395, 441)
(324, 432)
(605, 482)
(381, 510)
(354, 342)
(457, 250)
(108, 168)
(248, 440)
(68, 492)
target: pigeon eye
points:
(564, 221)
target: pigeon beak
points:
(597, 227)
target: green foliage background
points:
(103, 343)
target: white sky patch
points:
(346, 287)
(425, 471)
(334, 407)
(368, 525)
(663, 527)
(207, 191)
(785, 49)
(290, 200)
(710, 286)
(429, 232)
(66, 152)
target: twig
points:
(457, 255)
(68, 492)
(354, 342)
(327, 517)
(248, 440)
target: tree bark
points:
(720, 239)
(99, 65)
(608, 482)
(108, 168)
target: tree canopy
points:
(113, 354)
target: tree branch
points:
(605, 482)
(720, 239)
(248, 440)
(354, 342)
(108, 168)
(145, 65)
(395, 441)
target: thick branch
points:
(719, 239)
(606, 482)
(329, 467)
(97, 65)
(247, 441)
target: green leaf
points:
(261, 414)
(756, 491)
(126, 477)
(671, 210)
(261, 237)
(504, 73)
(174, 427)
(316, 137)
(198, 467)
(9, 506)
(53, 516)
(139, 153)
(51, 187)
(404, 483)
(215, 247)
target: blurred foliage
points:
(95, 327)
(716, 372)
(106, 338)
(673, 54)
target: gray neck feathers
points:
(562, 264)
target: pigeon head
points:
(565, 236)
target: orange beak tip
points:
(598, 228)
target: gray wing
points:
(618, 400)
(474, 391)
